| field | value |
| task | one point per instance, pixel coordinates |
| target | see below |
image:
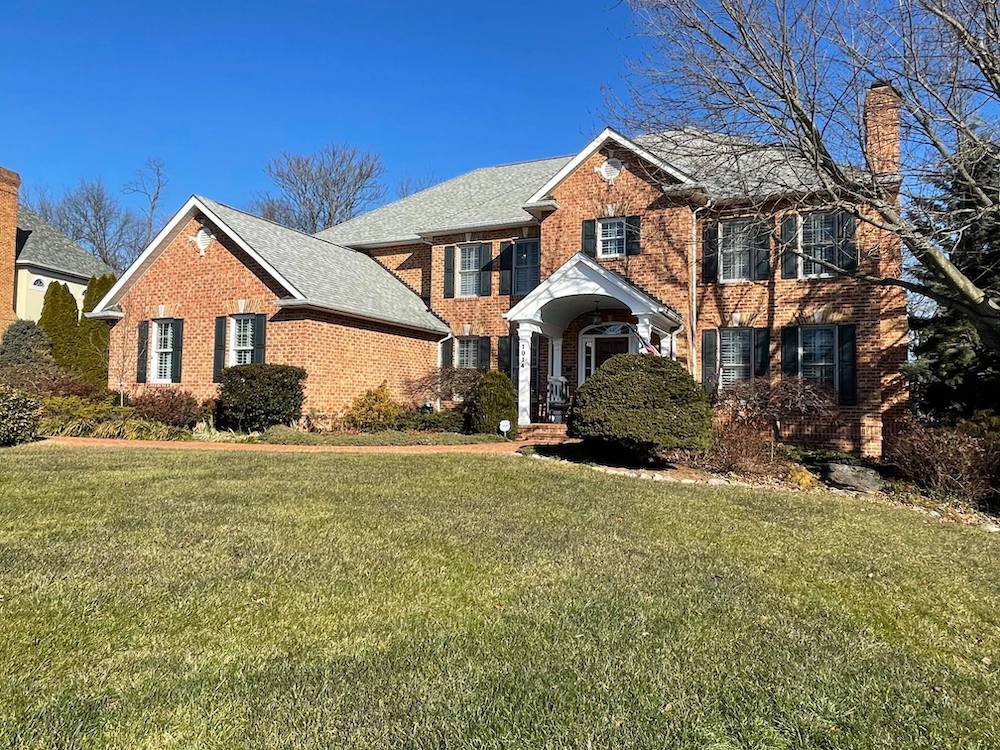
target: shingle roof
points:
(330, 274)
(41, 245)
(486, 196)
(724, 165)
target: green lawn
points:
(291, 436)
(244, 600)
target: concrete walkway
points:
(504, 448)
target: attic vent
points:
(610, 170)
(203, 239)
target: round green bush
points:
(492, 400)
(255, 397)
(643, 406)
(19, 414)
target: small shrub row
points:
(173, 407)
(446, 420)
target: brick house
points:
(685, 244)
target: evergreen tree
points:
(60, 321)
(954, 376)
(24, 344)
(93, 335)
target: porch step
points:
(542, 432)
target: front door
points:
(605, 347)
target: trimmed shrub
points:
(372, 411)
(167, 405)
(642, 405)
(947, 462)
(24, 344)
(19, 415)
(492, 399)
(446, 420)
(93, 335)
(60, 319)
(255, 397)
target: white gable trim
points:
(606, 135)
(148, 256)
(611, 284)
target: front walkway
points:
(195, 445)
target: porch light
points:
(596, 317)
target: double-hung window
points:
(735, 355)
(468, 271)
(163, 350)
(736, 243)
(467, 356)
(818, 346)
(610, 238)
(819, 242)
(527, 260)
(241, 340)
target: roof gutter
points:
(104, 315)
(327, 307)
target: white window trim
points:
(513, 266)
(458, 270)
(231, 348)
(718, 229)
(600, 241)
(750, 362)
(800, 268)
(155, 351)
(836, 353)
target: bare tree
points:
(316, 191)
(99, 221)
(786, 84)
(408, 185)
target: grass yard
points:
(291, 436)
(253, 600)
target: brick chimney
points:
(9, 183)
(882, 128)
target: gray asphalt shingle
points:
(327, 273)
(41, 245)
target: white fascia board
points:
(105, 315)
(186, 212)
(347, 312)
(608, 134)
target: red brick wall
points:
(9, 182)
(343, 357)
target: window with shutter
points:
(818, 358)
(163, 350)
(735, 358)
(468, 353)
(241, 339)
(737, 242)
(819, 243)
(468, 271)
(610, 238)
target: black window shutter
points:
(142, 359)
(847, 365)
(789, 243)
(219, 354)
(259, 338)
(633, 235)
(484, 353)
(448, 353)
(710, 252)
(176, 354)
(790, 351)
(761, 352)
(486, 269)
(506, 266)
(534, 373)
(845, 236)
(503, 354)
(588, 242)
(762, 251)
(709, 358)
(449, 271)
(515, 355)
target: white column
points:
(524, 331)
(556, 357)
(645, 328)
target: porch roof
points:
(579, 285)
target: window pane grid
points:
(526, 266)
(612, 237)
(818, 355)
(819, 240)
(163, 351)
(735, 249)
(468, 353)
(468, 271)
(734, 356)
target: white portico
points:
(580, 286)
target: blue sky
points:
(214, 89)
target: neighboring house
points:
(33, 254)
(543, 269)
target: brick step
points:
(542, 432)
